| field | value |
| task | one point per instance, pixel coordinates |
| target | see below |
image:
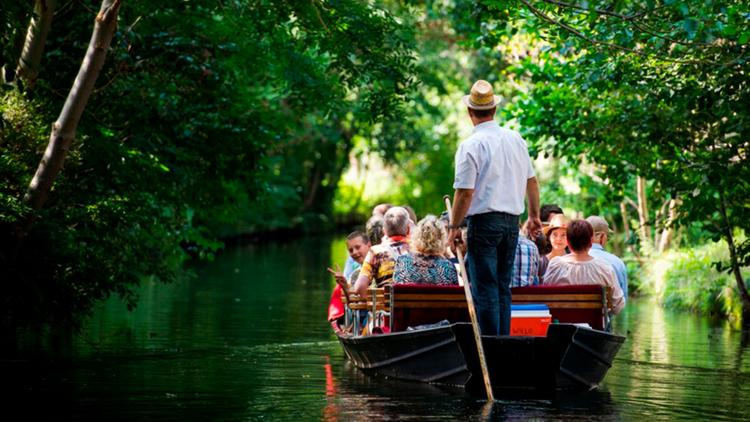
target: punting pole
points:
(472, 310)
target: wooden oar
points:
(472, 310)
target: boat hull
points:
(433, 355)
(568, 358)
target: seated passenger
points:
(555, 232)
(412, 214)
(380, 210)
(374, 230)
(601, 236)
(412, 218)
(427, 263)
(526, 265)
(547, 211)
(358, 245)
(579, 267)
(448, 253)
(379, 262)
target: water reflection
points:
(357, 396)
(247, 340)
(678, 365)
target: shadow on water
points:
(247, 340)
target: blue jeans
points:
(492, 240)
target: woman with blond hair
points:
(426, 264)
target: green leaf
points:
(690, 25)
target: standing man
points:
(493, 174)
(601, 235)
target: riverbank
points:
(687, 279)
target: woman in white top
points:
(578, 267)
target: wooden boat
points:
(569, 357)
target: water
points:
(246, 339)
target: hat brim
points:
(548, 229)
(493, 104)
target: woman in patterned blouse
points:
(427, 263)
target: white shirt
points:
(495, 162)
(563, 270)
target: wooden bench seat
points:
(380, 296)
(413, 304)
(378, 303)
(579, 303)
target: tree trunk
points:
(626, 227)
(33, 49)
(18, 36)
(668, 233)
(616, 246)
(64, 129)
(645, 227)
(744, 295)
(320, 197)
(660, 222)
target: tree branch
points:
(609, 45)
(33, 49)
(631, 203)
(733, 258)
(598, 11)
(633, 19)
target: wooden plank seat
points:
(377, 304)
(357, 302)
(585, 303)
(418, 304)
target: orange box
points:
(530, 326)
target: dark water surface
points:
(247, 340)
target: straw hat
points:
(599, 224)
(559, 221)
(481, 96)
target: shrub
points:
(687, 279)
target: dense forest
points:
(134, 138)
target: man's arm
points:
(533, 224)
(461, 204)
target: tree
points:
(64, 129)
(14, 18)
(210, 120)
(658, 89)
(36, 36)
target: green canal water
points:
(246, 339)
